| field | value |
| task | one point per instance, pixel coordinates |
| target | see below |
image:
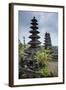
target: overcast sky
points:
(47, 22)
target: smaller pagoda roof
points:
(34, 36)
(34, 27)
(34, 42)
(34, 23)
(34, 31)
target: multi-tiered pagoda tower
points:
(47, 43)
(34, 37)
(34, 43)
(30, 63)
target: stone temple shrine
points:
(31, 66)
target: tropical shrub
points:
(44, 57)
(44, 71)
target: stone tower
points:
(30, 64)
(34, 42)
(47, 43)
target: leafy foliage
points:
(44, 71)
(44, 57)
(21, 53)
